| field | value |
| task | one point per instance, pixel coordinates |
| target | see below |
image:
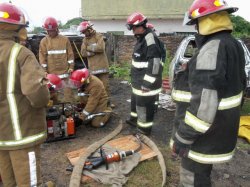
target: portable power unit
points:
(60, 124)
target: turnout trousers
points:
(104, 77)
(21, 167)
(195, 174)
(142, 111)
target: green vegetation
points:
(74, 21)
(121, 71)
(37, 30)
(245, 108)
(241, 27)
(149, 173)
(165, 72)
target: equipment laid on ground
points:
(62, 120)
(105, 159)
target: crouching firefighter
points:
(146, 73)
(93, 96)
(215, 77)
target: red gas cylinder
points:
(70, 126)
(165, 85)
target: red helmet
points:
(201, 8)
(83, 26)
(55, 83)
(150, 25)
(78, 77)
(50, 23)
(136, 19)
(11, 14)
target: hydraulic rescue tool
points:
(105, 159)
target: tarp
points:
(244, 130)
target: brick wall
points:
(123, 46)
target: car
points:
(186, 50)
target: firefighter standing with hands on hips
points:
(146, 73)
(24, 96)
(215, 77)
(56, 55)
(93, 48)
(93, 96)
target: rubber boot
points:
(145, 131)
(132, 121)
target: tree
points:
(241, 26)
(74, 21)
(37, 30)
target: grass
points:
(149, 173)
(121, 71)
(245, 110)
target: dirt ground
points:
(54, 161)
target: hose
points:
(137, 136)
(76, 176)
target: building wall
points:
(161, 26)
(120, 9)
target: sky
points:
(64, 10)
(37, 11)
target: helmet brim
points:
(190, 21)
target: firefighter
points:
(212, 87)
(93, 48)
(93, 97)
(24, 96)
(56, 55)
(146, 73)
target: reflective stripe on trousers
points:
(144, 108)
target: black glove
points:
(180, 149)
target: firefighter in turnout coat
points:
(56, 55)
(215, 76)
(146, 73)
(23, 98)
(93, 96)
(93, 48)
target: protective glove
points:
(70, 70)
(90, 53)
(180, 149)
(82, 116)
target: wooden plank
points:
(124, 143)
